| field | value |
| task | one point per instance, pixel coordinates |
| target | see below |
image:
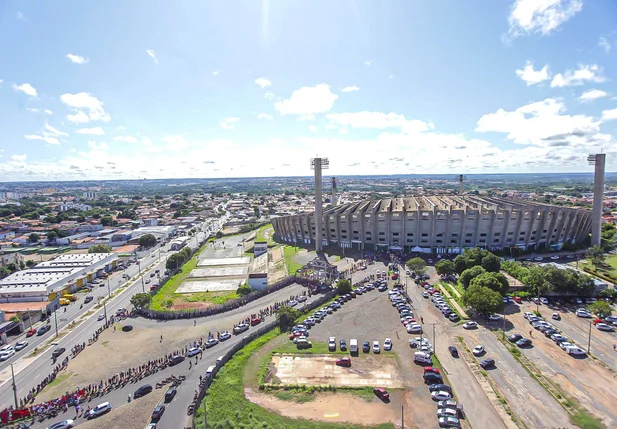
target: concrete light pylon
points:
(319, 164)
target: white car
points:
(21, 345)
(376, 348)
(302, 298)
(470, 325)
(494, 317)
(387, 345)
(555, 257)
(99, 410)
(101, 317)
(581, 312)
(332, 344)
(447, 412)
(6, 352)
(528, 314)
(565, 345)
(441, 396)
(414, 328)
(193, 351)
(425, 294)
(544, 301)
(64, 424)
(478, 350)
(605, 327)
(538, 258)
(293, 303)
(576, 351)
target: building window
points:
(440, 235)
(382, 240)
(469, 234)
(382, 233)
(467, 241)
(424, 234)
(522, 233)
(343, 236)
(453, 241)
(438, 241)
(454, 235)
(331, 229)
(496, 240)
(424, 241)
(355, 232)
(482, 241)
(343, 230)
(395, 234)
(483, 234)
(410, 234)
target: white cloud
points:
(307, 101)
(584, 73)
(263, 82)
(126, 139)
(55, 132)
(49, 135)
(368, 63)
(604, 44)
(376, 120)
(264, 116)
(46, 139)
(32, 109)
(152, 55)
(391, 76)
(226, 123)
(593, 94)
(26, 88)
(77, 59)
(48, 112)
(531, 76)
(98, 146)
(82, 102)
(541, 16)
(543, 124)
(305, 118)
(350, 89)
(269, 96)
(21, 17)
(608, 115)
(20, 158)
(176, 143)
(215, 73)
(96, 131)
(313, 128)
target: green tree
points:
(596, 256)
(483, 300)
(494, 281)
(416, 264)
(445, 267)
(11, 267)
(535, 281)
(343, 287)
(107, 220)
(34, 238)
(286, 317)
(30, 263)
(601, 308)
(147, 240)
(175, 261)
(141, 300)
(244, 289)
(99, 248)
(473, 257)
(4, 272)
(52, 235)
(459, 264)
(491, 263)
(470, 274)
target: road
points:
(175, 415)
(30, 371)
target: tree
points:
(52, 235)
(445, 267)
(30, 263)
(473, 257)
(343, 287)
(141, 300)
(491, 263)
(34, 238)
(601, 308)
(107, 221)
(99, 248)
(286, 317)
(147, 240)
(470, 274)
(175, 261)
(11, 267)
(494, 281)
(4, 272)
(596, 255)
(483, 300)
(534, 280)
(244, 289)
(416, 264)
(459, 264)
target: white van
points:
(209, 371)
(422, 357)
(353, 345)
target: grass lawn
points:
(608, 274)
(228, 408)
(213, 297)
(168, 291)
(292, 266)
(265, 233)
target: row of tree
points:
(177, 259)
(543, 279)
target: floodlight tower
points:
(460, 184)
(599, 160)
(333, 200)
(318, 164)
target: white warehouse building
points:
(440, 224)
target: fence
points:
(247, 339)
(217, 309)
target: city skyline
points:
(208, 90)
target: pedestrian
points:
(615, 347)
(194, 322)
(531, 334)
(422, 320)
(161, 339)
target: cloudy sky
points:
(206, 88)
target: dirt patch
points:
(191, 305)
(330, 407)
(254, 362)
(369, 370)
(133, 415)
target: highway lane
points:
(29, 372)
(175, 415)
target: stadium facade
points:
(440, 224)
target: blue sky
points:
(257, 87)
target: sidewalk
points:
(456, 305)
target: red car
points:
(344, 361)
(597, 320)
(31, 332)
(394, 276)
(518, 299)
(297, 334)
(255, 321)
(381, 393)
(431, 369)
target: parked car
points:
(381, 393)
(453, 351)
(127, 328)
(57, 352)
(21, 345)
(158, 413)
(387, 344)
(170, 394)
(523, 342)
(449, 422)
(470, 325)
(433, 378)
(193, 351)
(487, 363)
(605, 327)
(343, 346)
(478, 350)
(142, 391)
(211, 343)
(344, 361)
(514, 338)
(175, 360)
(376, 348)
(441, 396)
(366, 347)
(99, 410)
(64, 424)
(438, 387)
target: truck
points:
(64, 301)
(69, 296)
(353, 346)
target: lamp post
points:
(14, 387)
(589, 340)
(56, 320)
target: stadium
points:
(440, 225)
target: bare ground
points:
(134, 415)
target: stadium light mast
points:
(599, 161)
(319, 164)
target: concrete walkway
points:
(456, 305)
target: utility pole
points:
(434, 340)
(143, 288)
(56, 319)
(29, 318)
(402, 417)
(589, 340)
(105, 310)
(14, 387)
(108, 288)
(503, 332)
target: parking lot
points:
(586, 379)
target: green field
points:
(609, 273)
(227, 406)
(292, 266)
(266, 233)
